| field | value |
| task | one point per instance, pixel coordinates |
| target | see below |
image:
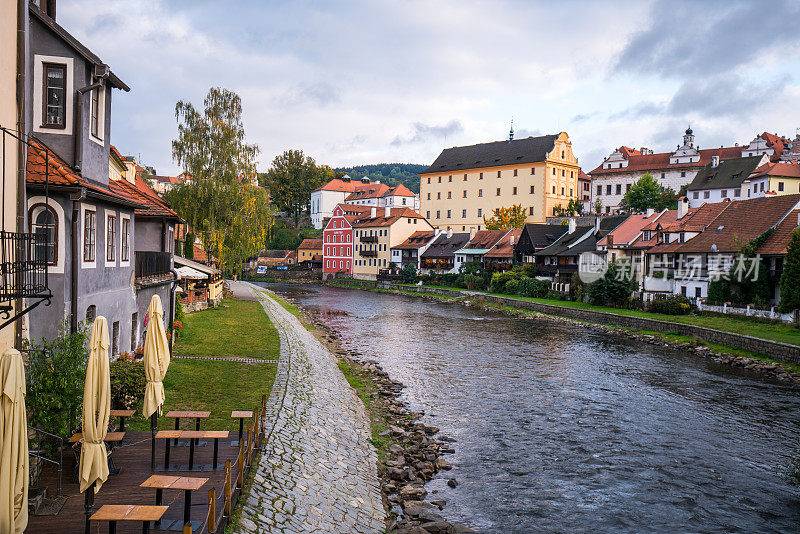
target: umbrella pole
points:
(89, 504)
(153, 427)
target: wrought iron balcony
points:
(368, 253)
(23, 273)
(369, 239)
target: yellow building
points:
(375, 235)
(464, 184)
(310, 251)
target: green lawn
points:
(235, 328)
(217, 386)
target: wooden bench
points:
(187, 484)
(192, 436)
(128, 512)
(111, 437)
(183, 414)
(122, 414)
(241, 415)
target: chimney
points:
(715, 161)
(571, 225)
(649, 213)
(449, 233)
(511, 241)
(683, 207)
(387, 212)
(472, 232)
(437, 231)
(373, 212)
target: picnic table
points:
(192, 436)
(187, 484)
(241, 415)
(128, 512)
(122, 414)
(197, 415)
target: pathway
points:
(319, 472)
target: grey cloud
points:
(320, 94)
(583, 117)
(724, 95)
(422, 132)
(687, 38)
(524, 132)
(638, 111)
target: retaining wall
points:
(775, 349)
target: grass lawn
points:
(215, 386)
(235, 328)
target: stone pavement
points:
(318, 472)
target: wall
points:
(143, 297)
(672, 178)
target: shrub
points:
(56, 374)
(127, 384)
(674, 305)
(512, 286)
(409, 274)
(531, 287)
(499, 281)
(179, 313)
(613, 289)
(556, 295)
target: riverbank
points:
(410, 453)
(762, 364)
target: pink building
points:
(337, 240)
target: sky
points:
(359, 82)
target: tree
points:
(614, 288)
(409, 273)
(292, 178)
(790, 277)
(598, 205)
(188, 246)
(645, 193)
(231, 217)
(511, 218)
(574, 207)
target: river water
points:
(563, 429)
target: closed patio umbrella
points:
(13, 444)
(156, 362)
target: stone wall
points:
(300, 276)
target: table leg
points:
(197, 427)
(159, 500)
(166, 454)
(122, 423)
(112, 527)
(177, 427)
(216, 449)
(145, 527)
(191, 454)
(241, 428)
(187, 505)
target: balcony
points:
(152, 265)
(23, 272)
(368, 253)
(369, 239)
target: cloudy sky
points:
(353, 82)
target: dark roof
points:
(587, 245)
(77, 45)
(445, 247)
(518, 151)
(729, 173)
(484, 239)
(609, 223)
(541, 235)
(565, 241)
(416, 240)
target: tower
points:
(511, 131)
(688, 137)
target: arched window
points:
(44, 225)
(91, 313)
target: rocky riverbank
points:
(410, 452)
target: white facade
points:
(322, 204)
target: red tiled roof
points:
(504, 248)
(152, 204)
(780, 238)
(777, 142)
(627, 152)
(740, 222)
(363, 191)
(399, 191)
(395, 214)
(780, 169)
(340, 185)
(310, 244)
(625, 233)
(416, 240)
(660, 161)
(485, 238)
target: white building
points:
(381, 195)
(325, 199)
(728, 180)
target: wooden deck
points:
(123, 488)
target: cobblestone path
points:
(318, 472)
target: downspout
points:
(22, 6)
(74, 239)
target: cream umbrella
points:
(156, 362)
(14, 466)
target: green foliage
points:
(577, 289)
(291, 179)
(409, 274)
(231, 216)
(613, 289)
(390, 174)
(644, 193)
(531, 287)
(180, 315)
(127, 384)
(574, 207)
(473, 282)
(56, 374)
(674, 305)
(790, 278)
(512, 286)
(188, 246)
(511, 218)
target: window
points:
(608, 189)
(515, 172)
(683, 174)
(480, 192)
(514, 191)
(737, 192)
(463, 214)
(465, 177)
(115, 338)
(554, 190)
(55, 96)
(429, 179)
(533, 170)
(563, 173)
(91, 313)
(619, 189)
(94, 113)
(134, 330)
(571, 192)
(111, 237)
(532, 189)
(780, 186)
(464, 194)
(429, 196)
(449, 194)
(530, 210)
(762, 186)
(698, 292)
(89, 222)
(498, 174)
(599, 189)
(439, 196)
(562, 155)
(480, 177)
(695, 194)
(450, 178)
(562, 191)
(662, 175)
(498, 191)
(440, 179)
(438, 214)
(428, 214)
(724, 193)
(554, 171)
(45, 226)
(706, 194)
(448, 214)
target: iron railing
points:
(368, 253)
(368, 239)
(152, 264)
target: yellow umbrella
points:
(156, 358)
(14, 445)
(96, 408)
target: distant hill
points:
(388, 173)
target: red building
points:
(337, 239)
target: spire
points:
(511, 131)
(688, 138)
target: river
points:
(563, 429)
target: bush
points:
(674, 305)
(56, 374)
(409, 274)
(512, 286)
(499, 281)
(127, 384)
(556, 295)
(613, 289)
(531, 287)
